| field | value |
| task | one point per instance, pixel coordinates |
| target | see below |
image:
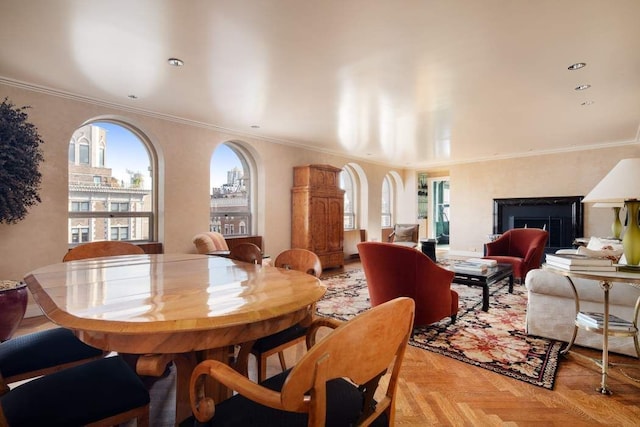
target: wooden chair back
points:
(100, 249)
(300, 260)
(362, 350)
(247, 252)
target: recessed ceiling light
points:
(582, 87)
(577, 66)
(255, 126)
(589, 102)
(175, 62)
(132, 96)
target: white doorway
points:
(439, 209)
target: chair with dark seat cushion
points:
(247, 252)
(41, 353)
(316, 392)
(54, 349)
(294, 259)
(393, 271)
(521, 247)
(102, 392)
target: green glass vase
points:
(616, 227)
(631, 238)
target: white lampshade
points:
(620, 184)
(608, 205)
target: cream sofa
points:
(551, 309)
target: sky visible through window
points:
(222, 161)
(125, 152)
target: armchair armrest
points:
(316, 324)
(203, 407)
(500, 246)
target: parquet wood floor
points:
(435, 390)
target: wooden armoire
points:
(317, 213)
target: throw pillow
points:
(404, 234)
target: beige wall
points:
(185, 149)
(474, 186)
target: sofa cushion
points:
(403, 234)
(548, 283)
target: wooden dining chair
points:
(334, 383)
(51, 350)
(291, 259)
(103, 392)
(247, 252)
(101, 249)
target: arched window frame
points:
(347, 183)
(144, 220)
(387, 202)
(241, 221)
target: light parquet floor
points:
(435, 390)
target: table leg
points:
(485, 297)
(603, 389)
(185, 364)
(576, 301)
(511, 283)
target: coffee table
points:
(485, 279)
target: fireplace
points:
(562, 217)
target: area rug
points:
(493, 340)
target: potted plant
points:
(13, 305)
(20, 157)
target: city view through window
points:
(110, 185)
(230, 208)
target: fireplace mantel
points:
(562, 217)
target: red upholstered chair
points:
(394, 271)
(521, 247)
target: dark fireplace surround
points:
(562, 217)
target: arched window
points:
(111, 184)
(387, 202)
(230, 191)
(347, 184)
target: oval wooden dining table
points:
(179, 307)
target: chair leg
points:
(262, 367)
(283, 364)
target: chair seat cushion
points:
(76, 396)
(344, 405)
(265, 344)
(45, 349)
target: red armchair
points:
(394, 271)
(521, 247)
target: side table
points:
(606, 281)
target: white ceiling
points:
(411, 83)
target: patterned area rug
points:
(493, 340)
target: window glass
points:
(386, 202)
(230, 192)
(84, 154)
(111, 194)
(346, 183)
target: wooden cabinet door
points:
(320, 207)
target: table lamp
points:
(622, 185)
(616, 226)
